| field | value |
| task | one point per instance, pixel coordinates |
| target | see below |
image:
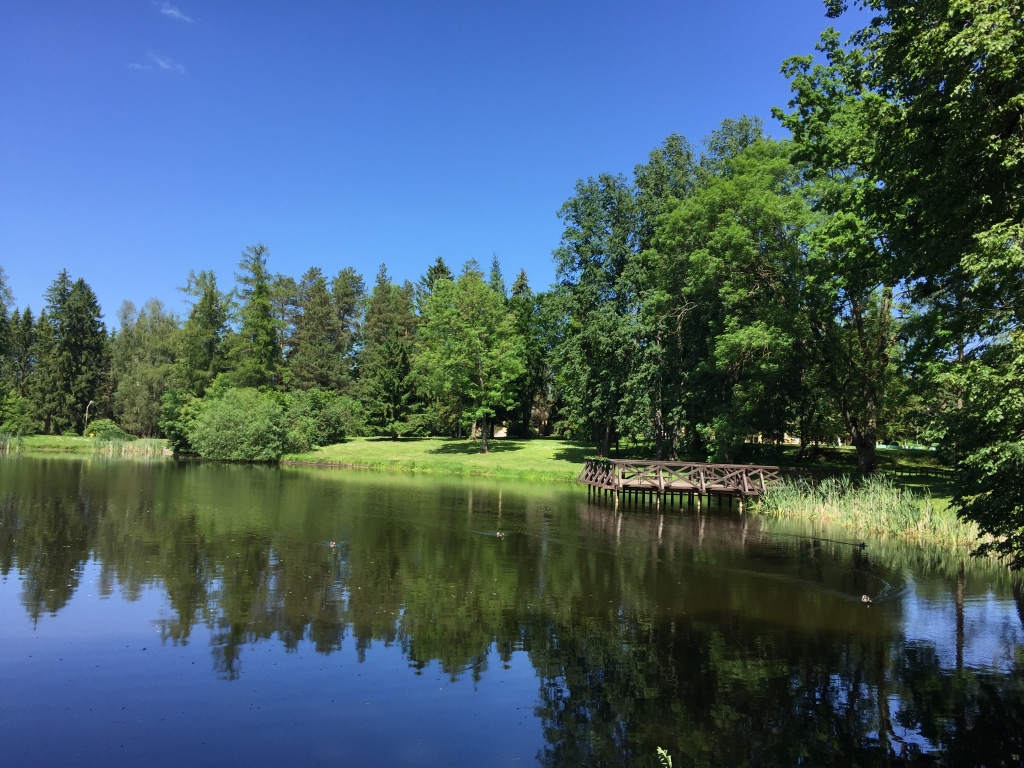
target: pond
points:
(197, 614)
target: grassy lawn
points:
(58, 444)
(540, 458)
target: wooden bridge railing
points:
(675, 476)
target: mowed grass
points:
(539, 458)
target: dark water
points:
(190, 614)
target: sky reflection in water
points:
(197, 614)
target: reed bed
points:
(873, 505)
(129, 448)
(10, 443)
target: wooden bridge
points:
(673, 480)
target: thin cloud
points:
(159, 62)
(174, 12)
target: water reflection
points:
(725, 638)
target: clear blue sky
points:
(142, 139)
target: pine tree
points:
(257, 354)
(385, 359)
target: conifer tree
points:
(436, 272)
(257, 353)
(316, 359)
(348, 296)
(70, 341)
(201, 343)
(385, 360)
(525, 316)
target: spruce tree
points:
(315, 359)
(18, 360)
(257, 354)
(348, 295)
(385, 360)
(436, 272)
(525, 317)
(201, 343)
(70, 342)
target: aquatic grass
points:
(873, 505)
(126, 448)
(10, 442)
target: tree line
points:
(859, 281)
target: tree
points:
(315, 356)
(141, 364)
(348, 295)
(470, 352)
(257, 352)
(436, 272)
(731, 266)
(947, 183)
(525, 314)
(70, 342)
(592, 359)
(202, 341)
(385, 360)
(853, 269)
(19, 361)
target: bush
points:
(240, 425)
(177, 412)
(16, 416)
(105, 429)
(317, 418)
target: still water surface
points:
(198, 614)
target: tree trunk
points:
(483, 435)
(605, 445)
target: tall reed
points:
(10, 442)
(873, 505)
(140, 448)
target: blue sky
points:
(142, 139)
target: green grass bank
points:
(536, 459)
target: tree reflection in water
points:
(730, 640)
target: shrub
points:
(178, 410)
(317, 418)
(16, 417)
(240, 425)
(105, 429)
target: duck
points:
(500, 535)
(865, 599)
(333, 545)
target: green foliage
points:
(242, 425)
(318, 417)
(106, 429)
(982, 427)
(201, 342)
(17, 415)
(471, 354)
(386, 387)
(70, 341)
(257, 349)
(141, 365)
(177, 411)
